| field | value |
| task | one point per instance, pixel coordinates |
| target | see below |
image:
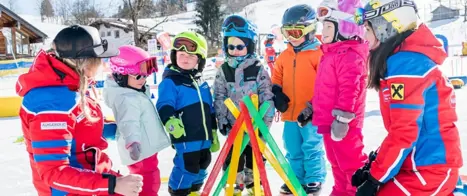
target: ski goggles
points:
(328, 13)
(361, 15)
(186, 45)
(236, 22)
(296, 32)
(144, 67)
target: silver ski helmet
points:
(388, 18)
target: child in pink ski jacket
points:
(338, 105)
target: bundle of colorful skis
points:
(239, 140)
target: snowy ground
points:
(14, 164)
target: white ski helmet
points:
(341, 13)
(389, 18)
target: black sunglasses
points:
(238, 47)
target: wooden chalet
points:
(17, 35)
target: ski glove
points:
(175, 127)
(361, 175)
(369, 187)
(215, 146)
(281, 101)
(305, 116)
(340, 125)
(225, 129)
(135, 151)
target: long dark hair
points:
(379, 56)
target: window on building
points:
(22, 43)
(117, 34)
(102, 34)
(109, 33)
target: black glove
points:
(225, 129)
(281, 101)
(305, 115)
(369, 187)
(361, 175)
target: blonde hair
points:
(79, 66)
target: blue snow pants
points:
(305, 152)
(190, 163)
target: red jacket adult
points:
(418, 108)
(65, 149)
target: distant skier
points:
(270, 52)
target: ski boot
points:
(249, 182)
(195, 190)
(239, 184)
(285, 191)
(251, 189)
(313, 189)
(194, 194)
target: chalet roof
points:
(11, 19)
(121, 24)
(452, 8)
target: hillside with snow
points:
(266, 13)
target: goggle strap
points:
(381, 10)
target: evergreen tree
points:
(209, 20)
(46, 9)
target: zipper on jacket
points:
(202, 107)
(293, 85)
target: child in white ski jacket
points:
(140, 133)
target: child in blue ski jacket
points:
(185, 107)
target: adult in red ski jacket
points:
(62, 127)
(421, 154)
(270, 52)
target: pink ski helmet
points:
(130, 61)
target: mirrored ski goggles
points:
(296, 32)
(186, 44)
(361, 15)
(236, 22)
(328, 13)
(144, 67)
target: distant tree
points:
(465, 10)
(12, 5)
(46, 9)
(147, 10)
(84, 12)
(209, 20)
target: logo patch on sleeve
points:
(397, 91)
(53, 125)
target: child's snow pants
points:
(439, 181)
(346, 157)
(151, 175)
(305, 152)
(190, 164)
